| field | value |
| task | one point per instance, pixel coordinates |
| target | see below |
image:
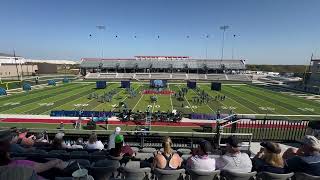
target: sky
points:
(266, 31)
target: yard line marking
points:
(72, 101)
(235, 102)
(187, 100)
(38, 101)
(170, 98)
(126, 97)
(138, 102)
(206, 104)
(274, 111)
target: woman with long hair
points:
(94, 143)
(269, 159)
(167, 159)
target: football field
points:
(239, 98)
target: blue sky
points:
(268, 31)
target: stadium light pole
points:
(234, 39)
(223, 28)
(101, 28)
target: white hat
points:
(311, 141)
(117, 130)
(59, 135)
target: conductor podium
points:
(216, 86)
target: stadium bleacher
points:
(100, 164)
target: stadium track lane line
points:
(131, 123)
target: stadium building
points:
(12, 66)
(163, 67)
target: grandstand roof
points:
(163, 63)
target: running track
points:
(244, 124)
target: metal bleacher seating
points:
(178, 76)
(220, 77)
(160, 76)
(142, 76)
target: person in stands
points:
(200, 159)
(111, 143)
(307, 158)
(78, 144)
(269, 159)
(234, 159)
(120, 149)
(17, 148)
(58, 142)
(5, 138)
(24, 140)
(167, 160)
(94, 143)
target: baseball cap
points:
(117, 130)
(272, 147)
(118, 139)
(311, 141)
(205, 146)
(234, 141)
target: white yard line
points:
(137, 102)
(37, 102)
(235, 102)
(206, 104)
(170, 98)
(125, 98)
(187, 100)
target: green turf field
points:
(241, 98)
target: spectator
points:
(200, 159)
(5, 137)
(16, 148)
(234, 159)
(24, 140)
(121, 149)
(42, 137)
(167, 159)
(307, 158)
(58, 142)
(78, 144)
(111, 143)
(93, 142)
(268, 159)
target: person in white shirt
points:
(234, 160)
(111, 143)
(93, 143)
(200, 159)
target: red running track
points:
(132, 123)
